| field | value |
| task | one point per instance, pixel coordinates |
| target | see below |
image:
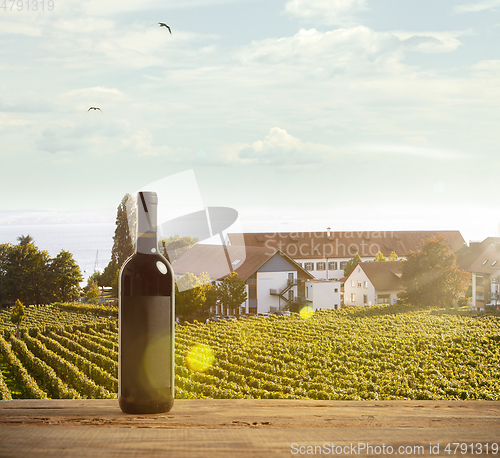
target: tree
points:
(190, 301)
(25, 239)
(123, 246)
(109, 274)
(175, 246)
(30, 275)
(379, 257)
(431, 277)
(65, 277)
(231, 291)
(25, 273)
(351, 265)
(4, 258)
(393, 256)
(17, 315)
(92, 291)
(211, 296)
(122, 241)
(97, 276)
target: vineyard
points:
(380, 352)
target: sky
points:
(299, 114)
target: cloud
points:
(10, 121)
(110, 44)
(408, 150)
(140, 143)
(431, 41)
(26, 105)
(331, 12)
(12, 26)
(279, 148)
(92, 92)
(57, 139)
(477, 6)
(82, 99)
(114, 7)
(487, 68)
(351, 50)
(95, 134)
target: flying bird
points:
(162, 24)
(94, 108)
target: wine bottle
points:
(146, 320)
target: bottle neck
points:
(147, 241)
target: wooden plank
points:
(246, 427)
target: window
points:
(343, 264)
(353, 297)
(336, 290)
(320, 266)
(333, 265)
(353, 283)
(365, 299)
(359, 284)
(309, 266)
(383, 298)
(365, 285)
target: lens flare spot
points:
(306, 312)
(157, 362)
(200, 358)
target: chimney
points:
(328, 232)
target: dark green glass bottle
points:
(146, 320)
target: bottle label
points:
(146, 347)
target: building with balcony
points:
(273, 280)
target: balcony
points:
(282, 292)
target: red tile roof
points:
(470, 257)
(318, 245)
(488, 259)
(212, 260)
(384, 275)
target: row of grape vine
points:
(333, 355)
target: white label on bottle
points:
(161, 267)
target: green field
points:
(380, 352)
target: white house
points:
(324, 294)
(482, 260)
(373, 283)
(274, 281)
(325, 254)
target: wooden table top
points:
(249, 428)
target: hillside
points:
(381, 352)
